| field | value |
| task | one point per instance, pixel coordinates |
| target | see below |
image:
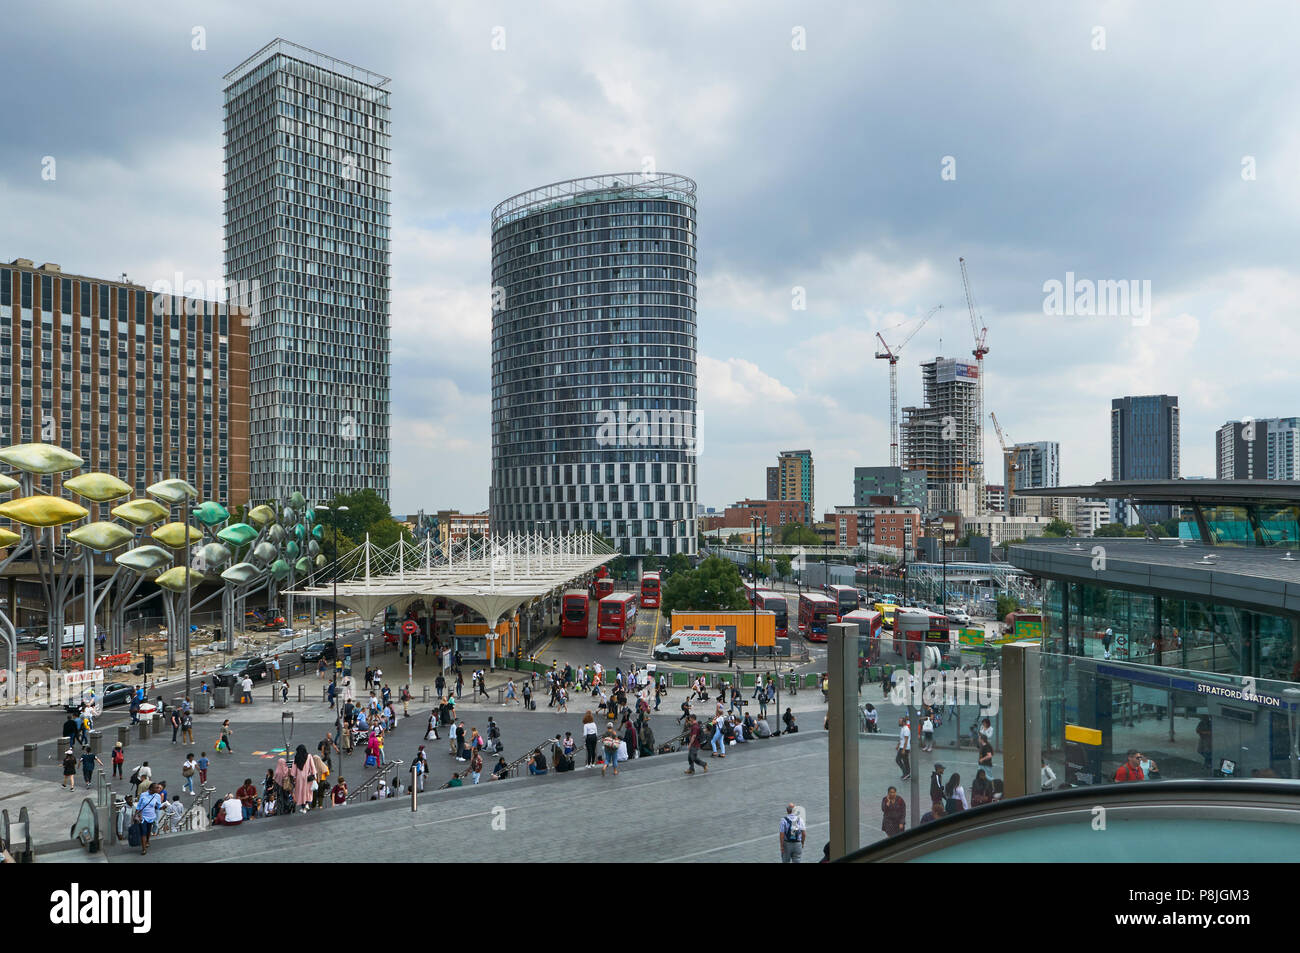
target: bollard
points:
(501, 695)
(124, 735)
(299, 693)
(142, 730)
(96, 741)
(29, 755)
(203, 703)
(426, 693)
(221, 697)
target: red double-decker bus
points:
(775, 603)
(616, 618)
(650, 590)
(846, 598)
(869, 625)
(816, 611)
(602, 587)
(575, 608)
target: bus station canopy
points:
(493, 575)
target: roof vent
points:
(1289, 557)
(51, 266)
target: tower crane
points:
(1009, 455)
(891, 355)
(980, 333)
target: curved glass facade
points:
(593, 361)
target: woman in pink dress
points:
(303, 774)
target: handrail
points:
(86, 827)
(198, 817)
(374, 778)
(513, 766)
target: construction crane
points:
(1009, 456)
(980, 333)
(891, 355)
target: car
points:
(254, 666)
(319, 650)
(961, 618)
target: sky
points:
(847, 154)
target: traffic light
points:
(148, 664)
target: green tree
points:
(764, 569)
(734, 539)
(797, 534)
(1006, 605)
(1058, 527)
(1110, 529)
(650, 564)
(783, 566)
(678, 562)
(715, 584)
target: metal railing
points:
(374, 779)
(16, 837)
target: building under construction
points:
(942, 436)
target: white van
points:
(697, 644)
(74, 637)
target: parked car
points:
(254, 666)
(319, 650)
(959, 616)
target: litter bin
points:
(142, 729)
(221, 697)
(96, 741)
(203, 702)
(29, 755)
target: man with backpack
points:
(793, 835)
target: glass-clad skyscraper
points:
(307, 237)
(593, 361)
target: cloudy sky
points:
(1117, 141)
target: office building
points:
(773, 483)
(901, 487)
(1090, 516)
(777, 513)
(941, 437)
(1144, 445)
(307, 144)
(1000, 527)
(141, 385)
(594, 361)
(1040, 464)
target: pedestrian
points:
(610, 744)
(936, 783)
(1048, 776)
(460, 682)
(147, 809)
(954, 796)
(88, 762)
(986, 754)
(981, 789)
(1130, 770)
(793, 835)
(589, 737)
(893, 810)
(693, 747)
(188, 770)
(903, 750)
(187, 725)
(226, 732)
(118, 759)
(510, 692)
(135, 709)
(69, 770)
(331, 694)
(718, 742)
(176, 724)
(476, 765)
(284, 691)
(406, 701)
(562, 696)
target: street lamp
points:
(334, 511)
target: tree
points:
(649, 564)
(1058, 527)
(678, 562)
(735, 539)
(714, 585)
(783, 566)
(763, 569)
(1006, 605)
(797, 534)
(1110, 529)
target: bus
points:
(616, 618)
(886, 610)
(575, 608)
(868, 623)
(846, 597)
(750, 589)
(815, 612)
(775, 603)
(915, 628)
(602, 587)
(650, 590)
